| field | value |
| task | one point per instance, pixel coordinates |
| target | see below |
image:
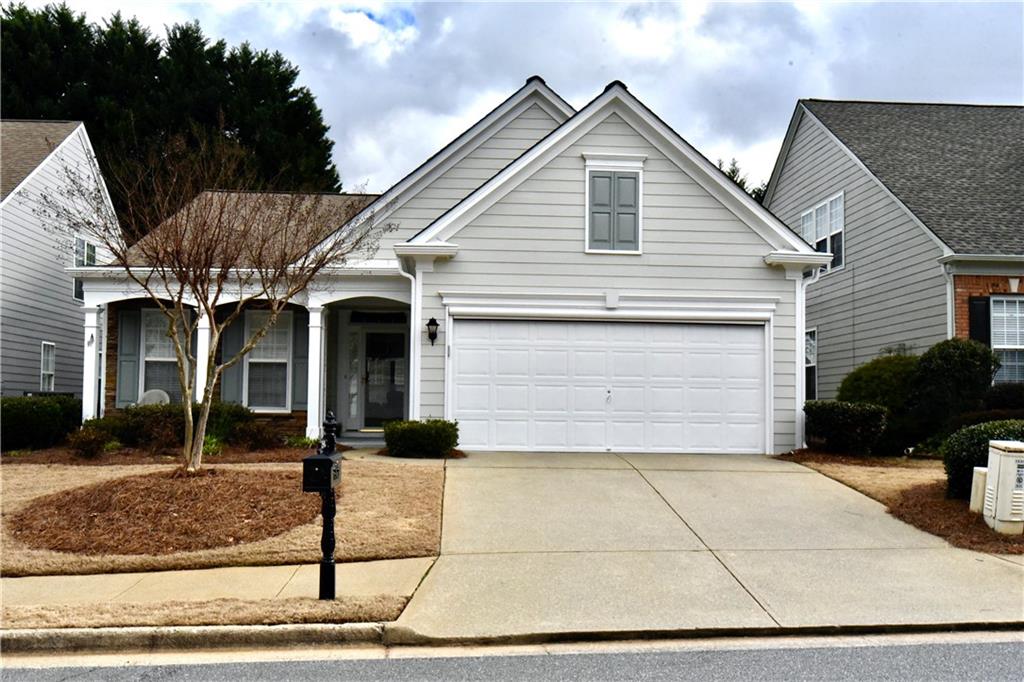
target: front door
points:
(384, 378)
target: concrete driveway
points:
(562, 544)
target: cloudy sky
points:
(396, 81)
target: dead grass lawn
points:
(346, 609)
(385, 511)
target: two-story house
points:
(922, 207)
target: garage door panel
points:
(602, 386)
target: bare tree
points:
(198, 252)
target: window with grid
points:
(159, 363)
(811, 364)
(47, 366)
(85, 255)
(1008, 337)
(822, 227)
(268, 364)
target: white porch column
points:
(313, 392)
(202, 351)
(90, 378)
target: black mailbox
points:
(321, 472)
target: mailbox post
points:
(321, 473)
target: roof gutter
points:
(983, 257)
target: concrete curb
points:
(188, 637)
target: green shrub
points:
(88, 442)
(153, 427)
(431, 438)
(70, 412)
(980, 417)
(31, 422)
(212, 445)
(851, 428)
(294, 441)
(1005, 397)
(968, 448)
(887, 381)
(952, 377)
(223, 419)
(256, 435)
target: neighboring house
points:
(922, 206)
(40, 303)
(559, 280)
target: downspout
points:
(950, 301)
(415, 306)
(801, 329)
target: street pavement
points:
(992, 661)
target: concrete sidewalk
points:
(562, 544)
(398, 577)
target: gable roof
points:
(24, 145)
(534, 91)
(959, 168)
(616, 97)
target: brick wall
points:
(967, 286)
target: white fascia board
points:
(546, 98)
(791, 258)
(780, 160)
(35, 171)
(946, 250)
(438, 249)
(982, 257)
(618, 100)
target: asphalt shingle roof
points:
(959, 168)
(24, 145)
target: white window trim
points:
(42, 366)
(621, 163)
(828, 269)
(284, 315)
(1003, 346)
(811, 330)
(85, 262)
(149, 313)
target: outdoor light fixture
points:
(432, 326)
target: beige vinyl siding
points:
(532, 240)
(891, 289)
(468, 173)
(36, 295)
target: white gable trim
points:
(946, 250)
(616, 99)
(534, 92)
(53, 152)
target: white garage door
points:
(594, 386)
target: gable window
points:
(47, 366)
(159, 363)
(85, 255)
(614, 194)
(811, 364)
(822, 228)
(268, 365)
(1008, 337)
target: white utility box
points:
(1004, 487)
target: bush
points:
(432, 438)
(301, 442)
(968, 448)
(223, 419)
(952, 377)
(89, 442)
(1005, 397)
(980, 417)
(34, 421)
(851, 428)
(153, 427)
(887, 381)
(212, 445)
(256, 435)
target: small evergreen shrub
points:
(887, 381)
(256, 435)
(212, 445)
(1005, 397)
(968, 448)
(952, 377)
(850, 428)
(88, 442)
(294, 441)
(433, 438)
(980, 417)
(33, 422)
(223, 419)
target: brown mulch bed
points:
(914, 491)
(385, 511)
(63, 455)
(345, 609)
(453, 454)
(165, 513)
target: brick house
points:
(922, 209)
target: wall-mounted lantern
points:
(432, 327)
